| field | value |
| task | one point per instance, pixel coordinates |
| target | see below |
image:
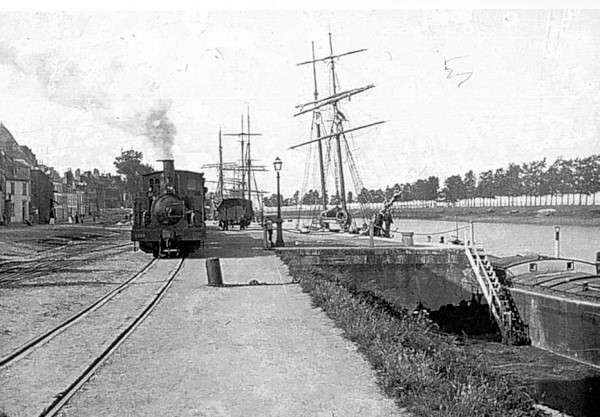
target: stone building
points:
(18, 191)
(29, 192)
(42, 196)
(2, 188)
(18, 161)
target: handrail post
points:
(472, 227)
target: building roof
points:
(18, 170)
(12, 149)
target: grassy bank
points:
(562, 215)
(423, 370)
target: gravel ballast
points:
(244, 350)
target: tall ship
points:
(237, 198)
(329, 143)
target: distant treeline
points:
(534, 179)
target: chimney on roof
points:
(69, 177)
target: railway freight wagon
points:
(234, 211)
(168, 214)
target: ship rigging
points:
(333, 136)
(236, 181)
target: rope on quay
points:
(436, 233)
(312, 232)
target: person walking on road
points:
(270, 231)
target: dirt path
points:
(246, 350)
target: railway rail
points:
(16, 272)
(55, 243)
(28, 347)
(67, 355)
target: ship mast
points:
(221, 195)
(337, 128)
(317, 122)
(243, 172)
(246, 164)
(337, 125)
(249, 160)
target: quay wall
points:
(567, 326)
(407, 276)
(402, 276)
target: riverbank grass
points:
(423, 370)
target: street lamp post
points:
(557, 241)
(279, 242)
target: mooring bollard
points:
(213, 271)
(407, 238)
(557, 241)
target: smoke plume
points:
(160, 130)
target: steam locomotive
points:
(168, 215)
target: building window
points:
(12, 188)
(24, 188)
(532, 267)
(570, 266)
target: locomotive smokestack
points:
(169, 174)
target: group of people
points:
(226, 224)
(383, 223)
(75, 219)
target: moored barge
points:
(559, 299)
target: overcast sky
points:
(79, 87)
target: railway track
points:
(46, 247)
(16, 272)
(43, 374)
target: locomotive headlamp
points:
(169, 188)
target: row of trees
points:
(534, 179)
(311, 197)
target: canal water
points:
(506, 239)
